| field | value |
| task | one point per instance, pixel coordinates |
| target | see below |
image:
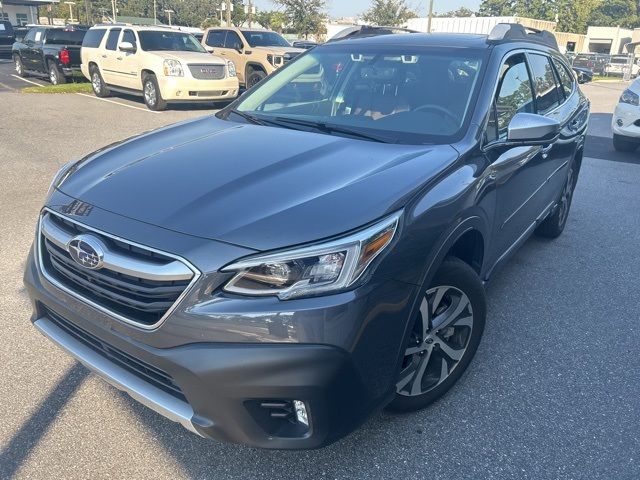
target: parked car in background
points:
(52, 52)
(7, 38)
(255, 53)
(305, 44)
(160, 64)
(618, 65)
(625, 122)
(20, 32)
(276, 273)
(591, 61)
(584, 75)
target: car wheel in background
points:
(56, 77)
(444, 338)
(553, 225)
(97, 83)
(17, 62)
(255, 77)
(151, 93)
(623, 144)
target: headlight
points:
(173, 68)
(275, 60)
(231, 68)
(630, 97)
(60, 176)
(321, 268)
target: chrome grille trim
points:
(195, 274)
(207, 71)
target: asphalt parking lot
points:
(553, 393)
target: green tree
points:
(460, 12)
(272, 19)
(497, 8)
(388, 13)
(613, 13)
(304, 17)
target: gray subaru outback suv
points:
(317, 250)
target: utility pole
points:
(114, 11)
(155, 12)
(228, 13)
(430, 17)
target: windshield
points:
(402, 94)
(152, 41)
(264, 39)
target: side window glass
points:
(30, 36)
(566, 78)
(233, 41)
(129, 36)
(514, 95)
(38, 37)
(112, 39)
(215, 38)
(548, 95)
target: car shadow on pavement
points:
(599, 143)
(25, 440)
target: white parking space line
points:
(28, 81)
(117, 103)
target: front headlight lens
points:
(173, 68)
(231, 68)
(275, 60)
(312, 270)
(630, 97)
(60, 176)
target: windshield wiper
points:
(248, 117)
(330, 128)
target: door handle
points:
(545, 150)
(119, 58)
(103, 56)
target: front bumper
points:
(181, 89)
(626, 120)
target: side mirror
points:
(532, 129)
(126, 47)
(208, 48)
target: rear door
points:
(108, 57)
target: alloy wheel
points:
(150, 93)
(96, 82)
(53, 76)
(565, 199)
(18, 65)
(438, 342)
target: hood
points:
(280, 50)
(190, 57)
(255, 186)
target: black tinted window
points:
(112, 39)
(93, 38)
(547, 93)
(153, 41)
(6, 28)
(129, 36)
(30, 36)
(566, 77)
(58, 36)
(514, 94)
(233, 41)
(215, 38)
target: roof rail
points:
(515, 32)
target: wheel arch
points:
(252, 66)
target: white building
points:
(480, 25)
(22, 12)
(609, 40)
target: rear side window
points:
(215, 38)
(112, 39)
(93, 38)
(58, 36)
(548, 95)
(514, 95)
(566, 77)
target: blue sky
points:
(344, 8)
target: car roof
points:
(419, 39)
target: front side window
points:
(400, 94)
(265, 38)
(514, 96)
(548, 95)
(112, 39)
(168, 41)
(215, 38)
(233, 41)
(30, 36)
(129, 36)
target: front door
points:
(126, 64)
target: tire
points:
(97, 83)
(622, 144)
(56, 77)
(19, 66)
(553, 225)
(255, 77)
(434, 361)
(151, 94)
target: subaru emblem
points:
(86, 250)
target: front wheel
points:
(444, 337)
(255, 77)
(19, 66)
(151, 92)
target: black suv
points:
(318, 250)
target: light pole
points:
(250, 11)
(169, 12)
(71, 4)
(430, 17)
